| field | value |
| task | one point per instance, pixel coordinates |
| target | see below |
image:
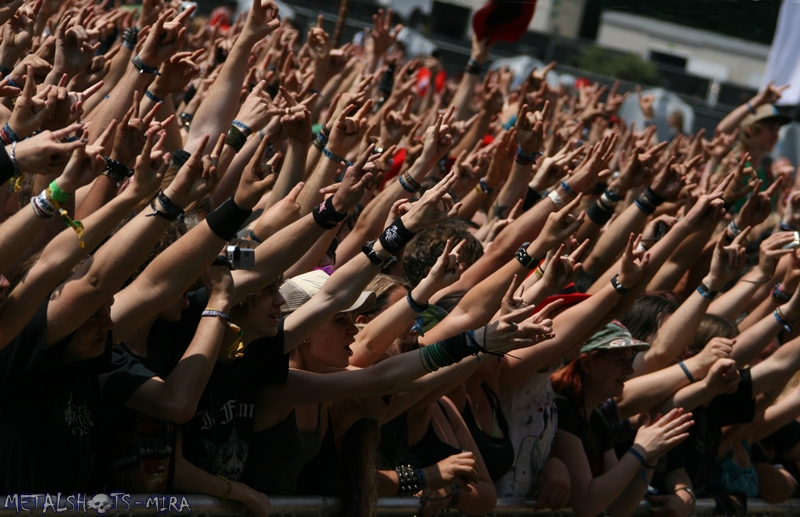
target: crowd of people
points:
(240, 262)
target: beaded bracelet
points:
(779, 295)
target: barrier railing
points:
(195, 505)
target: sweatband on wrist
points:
(326, 216)
(226, 220)
(236, 138)
(395, 236)
(599, 214)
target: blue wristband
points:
(686, 371)
(568, 189)
(335, 157)
(244, 127)
(153, 97)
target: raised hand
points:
(770, 251)
(530, 128)
(30, 109)
(176, 73)
(164, 38)
(435, 206)
(73, 50)
(561, 224)
(396, 124)
(740, 185)
(634, 262)
(717, 348)
(726, 261)
(347, 132)
(357, 179)
(585, 177)
(45, 153)
(437, 140)
(257, 178)
(262, 20)
(87, 162)
(709, 207)
(382, 35)
(18, 32)
(197, 177)
(8, 10)
(561, 269)
(130, 138)
(758, 206)
(769, 95)
(513, 331)
(663, 434)
(446, 270)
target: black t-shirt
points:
(700, 449)
(53, 414)
(217, 439)
(142, 446)
(595, 434)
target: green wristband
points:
(58, 195)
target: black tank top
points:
(498, 453)
(430, 449)
(278, 454)
(320, 476)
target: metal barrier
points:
(195, 505)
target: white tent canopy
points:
(665, 104)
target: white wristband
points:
(556, 199)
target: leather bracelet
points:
(619, 287)
(143, 68)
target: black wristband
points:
(618, 287)
(531, 198)
(396, 236)
(598, 214)
(326, 216)
(226, 220)
(653, 197)
(457, 347)
(6, 166)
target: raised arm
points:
(66, 250)
(220, 105)
(177, 267)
